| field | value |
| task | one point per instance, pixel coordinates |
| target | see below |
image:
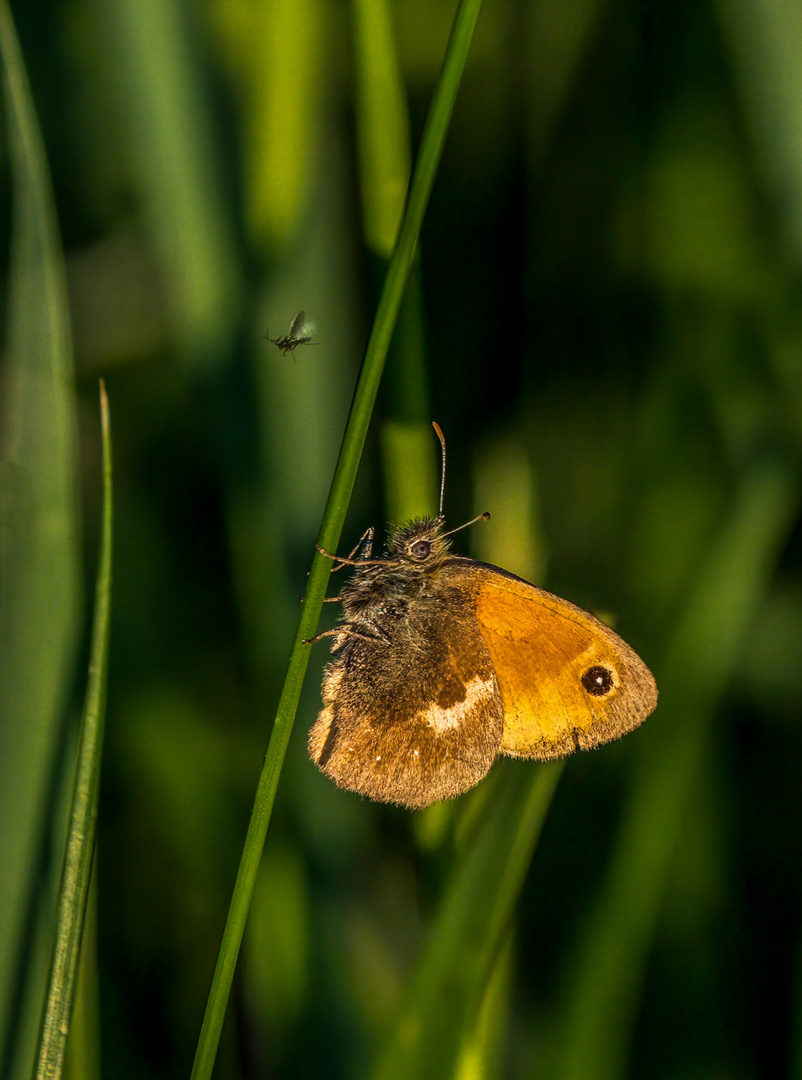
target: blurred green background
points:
(606, 320)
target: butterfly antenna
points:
(479, 517)
(439, 433)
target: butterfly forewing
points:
(566, 680)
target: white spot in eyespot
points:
(415, 752)
(378, 757)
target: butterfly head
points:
(383, 590)
(420, 543)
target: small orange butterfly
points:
(442, 663)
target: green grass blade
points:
(83, 815)
(82, 1054)
(283, 119)
(39, 564)
(382, 125)
(470, 928)
(485, 1039)
(765, 46)
(602, 993)
(339, 495)
(159, 91)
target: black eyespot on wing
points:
(598, 680)
(420, 549)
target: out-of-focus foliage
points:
(606, 320)
(39, 556)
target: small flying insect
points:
(300, 333)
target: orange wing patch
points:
(566, 680)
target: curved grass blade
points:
(79, 853)
(334, 516)
(82, 1053)
(39, 562)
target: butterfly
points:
(442, 663)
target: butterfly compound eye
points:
(598, 681)
(420, 549)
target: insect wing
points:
(413, 720)
(567, 681)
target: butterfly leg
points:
(336, 632)
(367, 539)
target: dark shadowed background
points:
(606, 320)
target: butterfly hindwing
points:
(412, 719)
